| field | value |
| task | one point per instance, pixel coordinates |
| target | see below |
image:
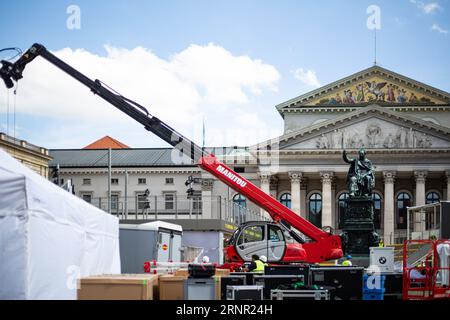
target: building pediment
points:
(373, 85)
(372, 127)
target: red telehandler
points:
(278, 240)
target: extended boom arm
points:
(325, 246)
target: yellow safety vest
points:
(259, 266)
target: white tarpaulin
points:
(443, 250)
(49, 237)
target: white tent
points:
(49, 237)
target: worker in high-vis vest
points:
(348, 261)
(264, 260)
(380, 244)
(256, 265)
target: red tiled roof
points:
(105, 143)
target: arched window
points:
(285, 199)
(403, 201)
(432, 197)
(240, 203)
(240, 200)
(342, 207)
(315, 209)
(376, 210)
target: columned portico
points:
(296, 193)
(389, 209)
(327, 198)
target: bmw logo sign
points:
(382, 260)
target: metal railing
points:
(177, 207)
(424, 222)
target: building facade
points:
(34, 157)
(403, 125)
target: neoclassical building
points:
(35, 157)
(403, 124)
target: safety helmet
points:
(205, 259)
(263, 258)
(349, 257)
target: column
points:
(327, 179)
(447, 175)
(303, 190)
(273, 186)
(296, 178)
(420, 177)
(333, 204)
(419, 217)
(207, 186)
(265, 186)
(389, 207)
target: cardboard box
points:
(222, 272)
(171, 287)
(182, 273)
(118, 287)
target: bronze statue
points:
(360, 177)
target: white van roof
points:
(155, 225)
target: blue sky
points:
(330, 39)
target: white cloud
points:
(427, 8)
(225, 78)
(431, 7)
(437, 28)
(308, 77)
(181, 90)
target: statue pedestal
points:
(358, 229)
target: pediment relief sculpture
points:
(374, 136)
(375, 90)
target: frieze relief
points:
(373, 134)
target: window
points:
(239, 169)
(240, 200)
(87, 197)
(169, 201)
(275, 234)
(142, 201)
(114, 181)
(376, 210)
(114, 202)
(432, 197)
(315, 209)
(86, 181)
(197, 200)
(251, 234)
(342, 208)
(169, 180)
(403, 201)
(239, 205)
(142, 181)
(285, 199)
